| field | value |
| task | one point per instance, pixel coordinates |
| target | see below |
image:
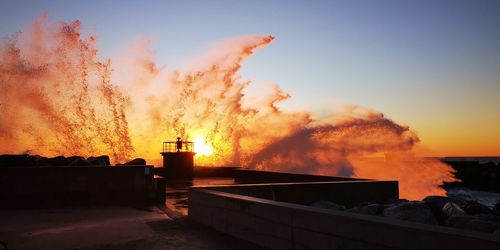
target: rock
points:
(16, 161)
(79, 161)
(472, 223)
(362, 210)
(38, 159)
(136, 161)
(396, 201)
(365, 203)
(452, 209)
(496, 208)
(474, 207)
(371, 209)
(44, 161)
(489, 217)
(440, 201)
(411, 211)
(436, 203)
(102, 160)
(73, 158)
(327, 205)
(57, 161)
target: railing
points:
(171, 146)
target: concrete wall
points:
(178, 165)
(280, 225)
(53, 186)
(227, 172)
(347, 193)
(255, 176)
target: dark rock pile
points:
(411, 211)
(475, 175)
(26, 160)
(327, 205)
(41, 161)
(136, 161)
(433, 210)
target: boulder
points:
(327, 205)
(452, 209)
(440, 201)
(496, 208)
(136, 161)
(396, 201)
(102, 160)
(411, 211)
(16, 161)
(78, 161)
(38, 159)
(56, 161)
(471, 222)
(436, 204)
(44, 161)
(474, 207)
(365, 203)
(371, 209)
(489, 217)
(73, 158)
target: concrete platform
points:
(108, 228)
(177, 193)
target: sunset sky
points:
(433, 65)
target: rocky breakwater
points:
(433, 210)
(475, 175)
(57, 161)
(25, 160)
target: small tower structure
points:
(178, 160)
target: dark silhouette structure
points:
(475, 174)
(179, 144)
(178, 160)
(33, 187)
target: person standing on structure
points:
(179, 144)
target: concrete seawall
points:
(28, 187)
(255, 176)
(348, 193)
(283, 225)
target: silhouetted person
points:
(179, 144)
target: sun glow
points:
(202, 147)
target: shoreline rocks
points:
(136, 161)
(433, 210)
(327, 205)
(415, 211)
(25, 160)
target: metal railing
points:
(171, 147)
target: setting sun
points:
(202, 147)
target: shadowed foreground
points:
(108, 228)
